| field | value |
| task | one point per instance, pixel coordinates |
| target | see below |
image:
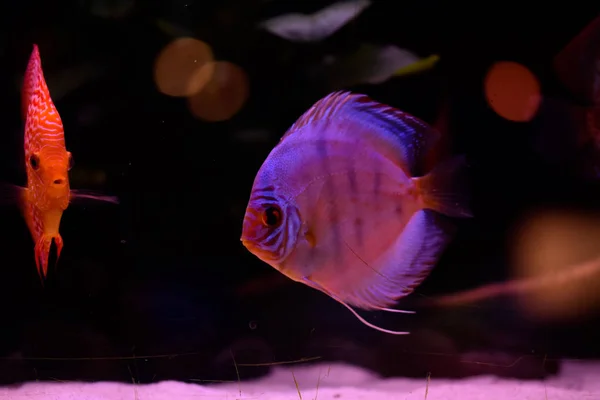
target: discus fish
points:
(47, 163)
(336, 206)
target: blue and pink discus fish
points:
(336, 206)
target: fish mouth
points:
(247, 243)
(255, 249)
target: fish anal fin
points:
(59, 243)
(42, 255)
(403, 267)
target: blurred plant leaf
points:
(172, 29)
(577, 65)
(108, 8)
(419, 66)
(375, 64)
(317, 26)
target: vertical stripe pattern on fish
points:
(47, 162)
(337, 206)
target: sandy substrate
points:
(578, 380)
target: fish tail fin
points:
(445, 188)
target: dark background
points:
(163, 275)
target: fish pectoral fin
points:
(315, 285)
(12, 194)
(407, 263)
(79, 196)
(310, 239)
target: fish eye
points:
(271, 216)
(34, 161)
(71, 162)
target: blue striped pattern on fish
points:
(276, 239)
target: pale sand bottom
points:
(578, 380)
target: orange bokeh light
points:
(183, 67)
(512, 91)
(223, 96)
(559, 249)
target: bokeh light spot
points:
(183, 67)
(559, 249)
(223, 96)
(512, 91)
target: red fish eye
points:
(71, 162)
(34, 161)
(271, 217)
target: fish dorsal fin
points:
(36, 103)
(404, 136)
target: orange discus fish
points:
(336, 205)
(47, 163)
